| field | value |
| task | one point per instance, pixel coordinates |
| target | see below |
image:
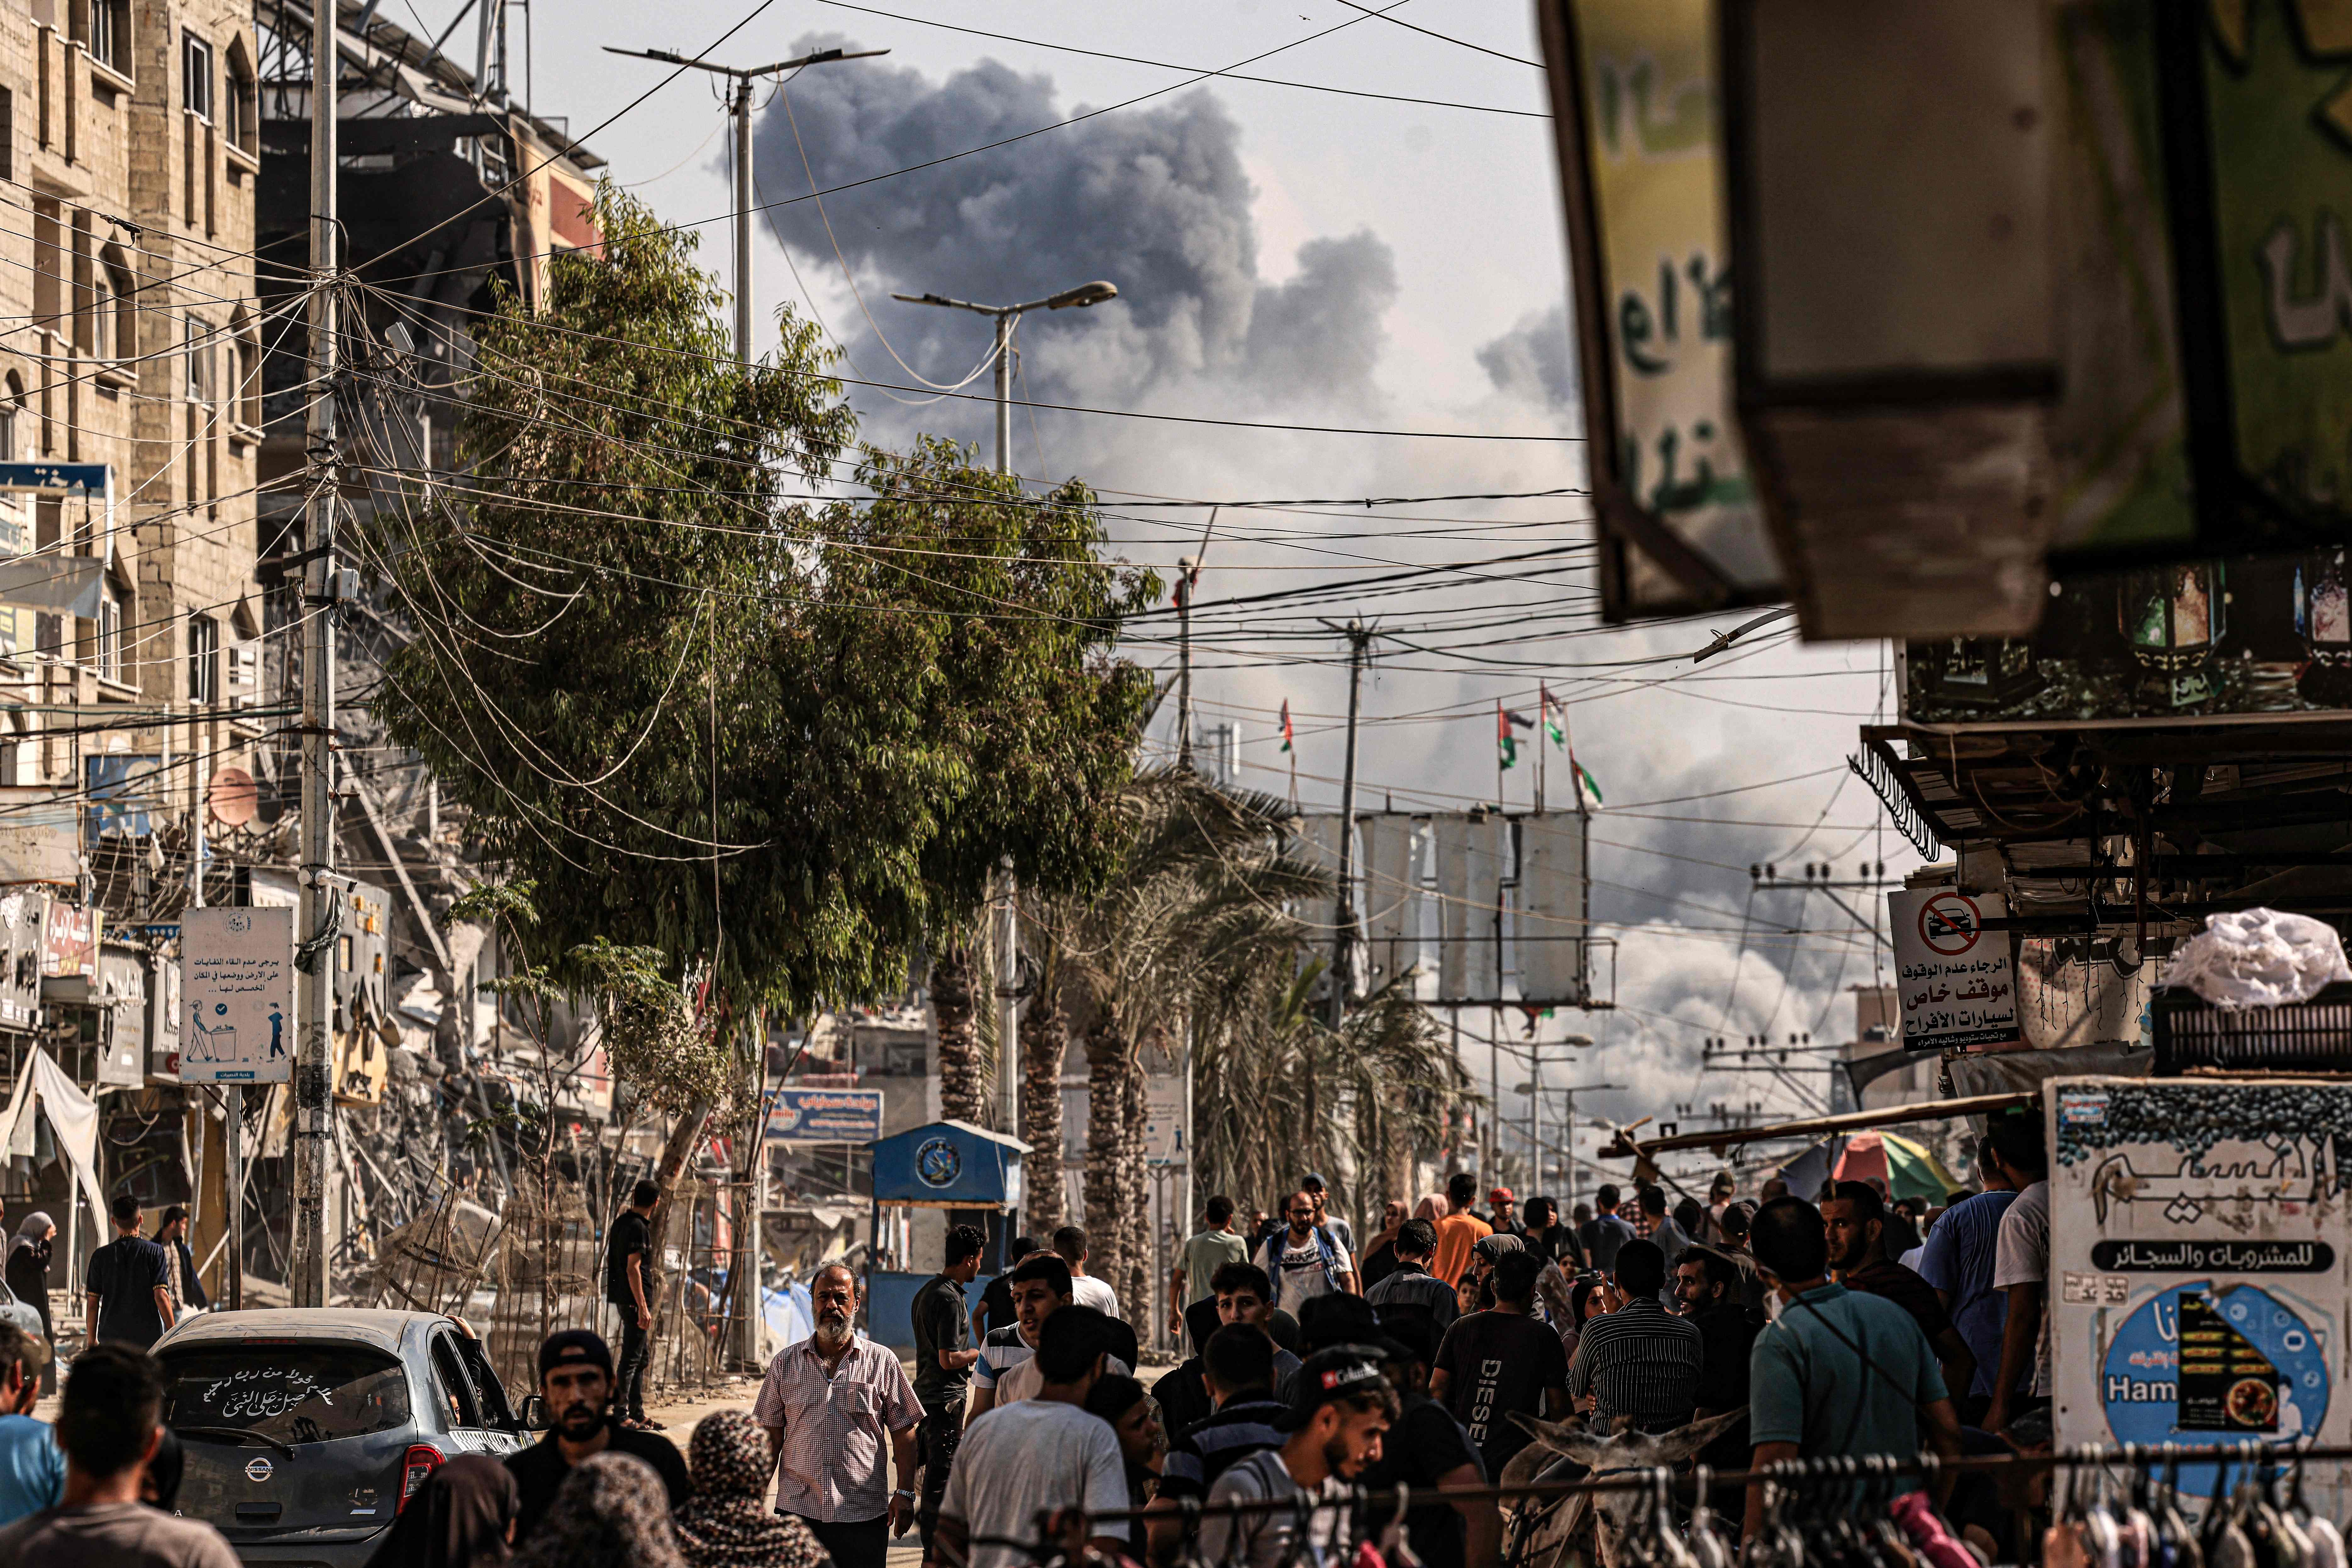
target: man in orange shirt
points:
(1459, 1230)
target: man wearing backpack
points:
(1304, 1260)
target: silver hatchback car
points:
(306, 1431)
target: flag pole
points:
(1543, 724)
(1499, 732)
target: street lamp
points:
(1007, 317)
(739, 106)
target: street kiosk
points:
(939, 1165)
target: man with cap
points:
(1341, 1406)
(1500, 1213)
(575, 1379)
(833, 1405)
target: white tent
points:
(73, 1115)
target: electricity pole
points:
(314, 1006)
(1343, 961)
(739, 106)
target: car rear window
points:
(296, 1393)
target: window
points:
(242, 121)
(12, 433)
(110, 620)
(296, 1393)
(203, 660)
(199, 342)
(196, 76)
(106, 32)
(114, 322)
(7, 134)
(246, 346)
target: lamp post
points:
(1008, 317)
(739, 106)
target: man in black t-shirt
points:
(632, 1284)
(1502, 1360)
(944, 1358)
(129, 1283)
(1426, 1446)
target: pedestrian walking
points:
(1500, 1218)
(1547, 1237)
(2021, 1270)
(1305, 1259)
(1495, 1362)
(1205, 1251)
(1606, 1231)
(1855, 1219)
(1043, 1454)
(129, 1300)
(831, 1405)
(1245, 1299)
(612, 1511)
(1958, 1258)
(943, 1360)
(32, 1466)
(1341, 1231)
(1412, 1287)
(575, 1381)
(1045, 1288)
(1332, 1430)
(1458, 1230)
(1638, 1360)
(460, 1518)
(1838, 1373)
(1425, 1448)
(1708, 1283)
(180, 1264)
(1134, 1419)
(110, 1423)
(632, 1284)
(1664, 1231)
(1378, 1260)
(1070, 1247)
(726, 1522)
(28, 1274)
(995, 1310)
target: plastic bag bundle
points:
(2259, 958)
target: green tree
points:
(776, 738)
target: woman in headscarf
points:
(612, 1511)
(462, 1517)
(27, 1273)
(725, 1524)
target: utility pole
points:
(738, 106)
(1343, 959)
(314, 1006)
(1008, 317)
(1185, 662)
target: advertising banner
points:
(236, 984)
(2197, 1263)
(824, 1116)
(1954, 978)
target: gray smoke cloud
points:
(1534, 360)
(1153, 199)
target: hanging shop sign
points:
(1953, 977)
(236, 986)
(2198, 1285)
(69, 938)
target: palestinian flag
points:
(1552, 705)
(1504, 722)
(1584, 780)
(1287, 736)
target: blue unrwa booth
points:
(939, 1165)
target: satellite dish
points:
(233, 797)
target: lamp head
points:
(1093, 293)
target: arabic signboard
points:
(826, 1116)
(69, 936)
(1167, 1133)
(236, 990)
(2197, 1263)
(23, 918)
(1954, 978)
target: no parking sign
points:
(1953, 976)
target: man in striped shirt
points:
(1638, 1360)
(1410, 1284)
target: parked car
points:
(306, 1430)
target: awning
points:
(1909, 1169)
(73, 1115)
(1723, 1138)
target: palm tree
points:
(1199, 898)
(953, 976)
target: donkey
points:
(1543, 1530)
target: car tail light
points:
(422, 1460)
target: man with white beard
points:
(827, 1404)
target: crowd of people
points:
(1426, 1356)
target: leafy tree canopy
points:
(704, 704)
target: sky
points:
(1295, 256)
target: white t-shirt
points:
(1264, 1538)
(1018, 1458)
(1302, 1276)
(1088, 1292)
(2021, 1256)
(1023, 1380)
